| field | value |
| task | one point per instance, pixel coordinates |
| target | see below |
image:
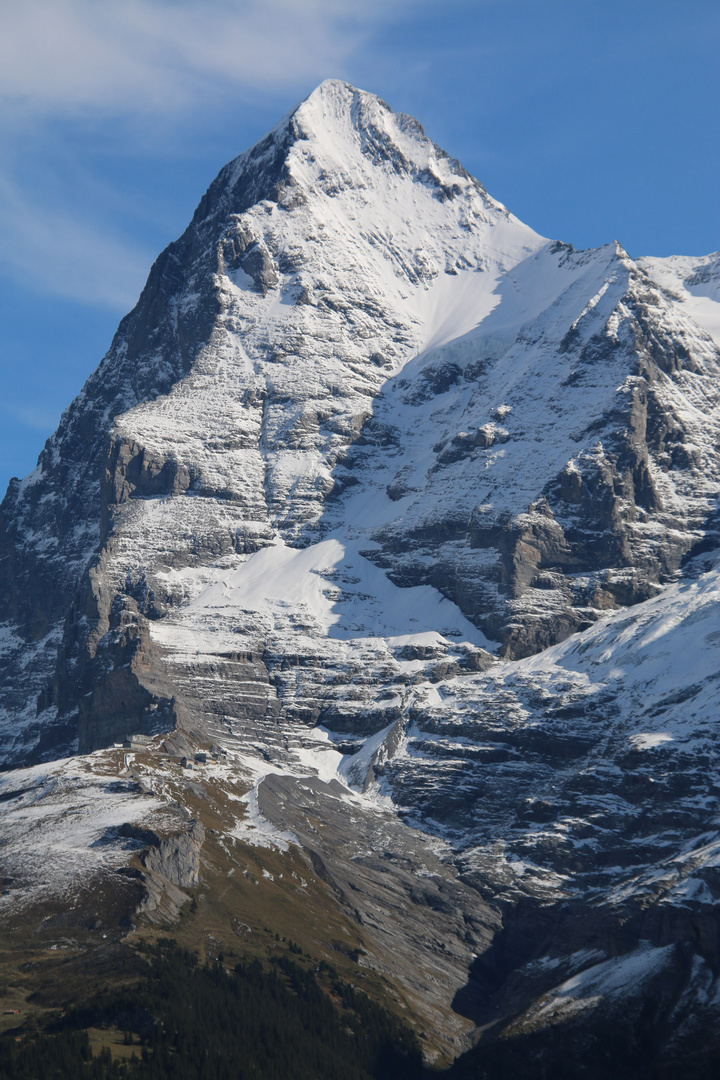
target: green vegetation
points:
(189, 1021)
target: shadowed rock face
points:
(366, 455)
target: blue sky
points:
(592, 120)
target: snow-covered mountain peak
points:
(336, 107)
(345, 160)
(363, 430)
(339, 121)
(351, 350)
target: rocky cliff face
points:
(377, 486)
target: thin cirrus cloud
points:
(131, 63)
(152, 55)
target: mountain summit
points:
(409, 513)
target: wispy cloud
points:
(158, 55)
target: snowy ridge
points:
(694, 283)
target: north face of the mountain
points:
(353, 342)
(263, 335)
(404, 520)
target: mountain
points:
(405, 519)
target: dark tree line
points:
(201, 1022)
